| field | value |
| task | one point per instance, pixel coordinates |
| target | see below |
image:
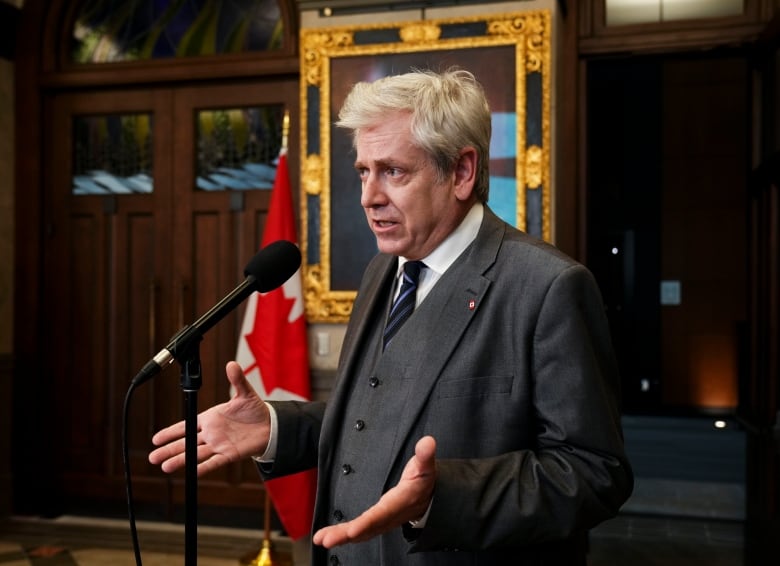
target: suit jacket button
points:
(360, 424)
(373, 381)
(334, 560)
(338, 515)
(346, 469)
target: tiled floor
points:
(656, 541)
(624, 541)
(79, 541)
(12, 554)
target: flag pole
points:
(265, 558)
(285, 131)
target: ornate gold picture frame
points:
(508, 53)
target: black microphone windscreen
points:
(273, 265)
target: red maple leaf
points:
(278, 345)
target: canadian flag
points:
(273, 353)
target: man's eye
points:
(393, 172)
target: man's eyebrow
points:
(384, 162)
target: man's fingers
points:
(379, 518)
(327, 536)
(375, 520)
(336, 535)
(167, 451)
(166, 435)
(173, 457)
(399, 504)
(172, 464)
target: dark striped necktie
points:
(404, 303)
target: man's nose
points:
(371, 191)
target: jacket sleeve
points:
(299, 426)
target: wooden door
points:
(128, 268)
(106, 254)
(215, 234)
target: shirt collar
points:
(440, 259)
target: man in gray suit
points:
(487, 430)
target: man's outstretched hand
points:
(227, 432)
(407, 501)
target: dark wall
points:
(9, 16)
(8, 19)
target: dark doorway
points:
(667, 200)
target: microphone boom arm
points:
(267, 270)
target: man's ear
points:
(465, 173)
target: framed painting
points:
(508, 53)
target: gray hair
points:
(448, 110)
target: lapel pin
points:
(472, 304)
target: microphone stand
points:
(184, 348)
(191, 379)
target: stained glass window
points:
(107, 31)
(112, 154)
(238, 148)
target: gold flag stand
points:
(265, 556)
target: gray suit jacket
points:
(514, 376)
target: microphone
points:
(267, 270)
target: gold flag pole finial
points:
(285, 130)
